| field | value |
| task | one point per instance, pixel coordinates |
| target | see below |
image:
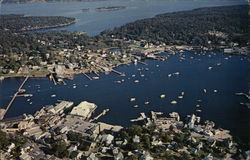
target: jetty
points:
(105, 111)
(20, 90)
(120, 73)
(87, 76)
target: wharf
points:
(13, 98)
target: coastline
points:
(49, 27)
(72, 73)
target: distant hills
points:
(203, 26)
(32, 1)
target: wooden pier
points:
(87, 76)
(13, 98)
(120, 73)
(142, 62)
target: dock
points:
(13, 98)
(120, 73)
(105, 111)
(142, 62)
(53, 79)
(87, 76)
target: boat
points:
(162, 96)
(136, 81)
(173, 102)
(132, 99)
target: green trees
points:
(4, 140)
(20, 22)
(60, 149)
(135, 130)
(188, 27)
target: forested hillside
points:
(16, 22)
(197, 27)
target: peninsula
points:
(68, 53)
(17, 22)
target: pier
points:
(87, 76)
(120, 73)
(142, 62)
(105, 111)
(20, 90)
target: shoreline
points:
(89, 71)
(48, 27)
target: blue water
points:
(93, 22)
(223, 107)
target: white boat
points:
(173, 102)
(162, 96)
(132, 99)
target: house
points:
(92, 157)
(136, 139)
(76, 155)
(119, 156)
(25, 156)
(146, 156)
(10, 147)
(107, 138)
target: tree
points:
(135, 130)
(4, 140)
(60, 149)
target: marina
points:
(211, 84)
(210, 97)
(20, 90)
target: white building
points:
(84, 109)
(59, 108)
(108, 138)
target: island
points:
(113, 8)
